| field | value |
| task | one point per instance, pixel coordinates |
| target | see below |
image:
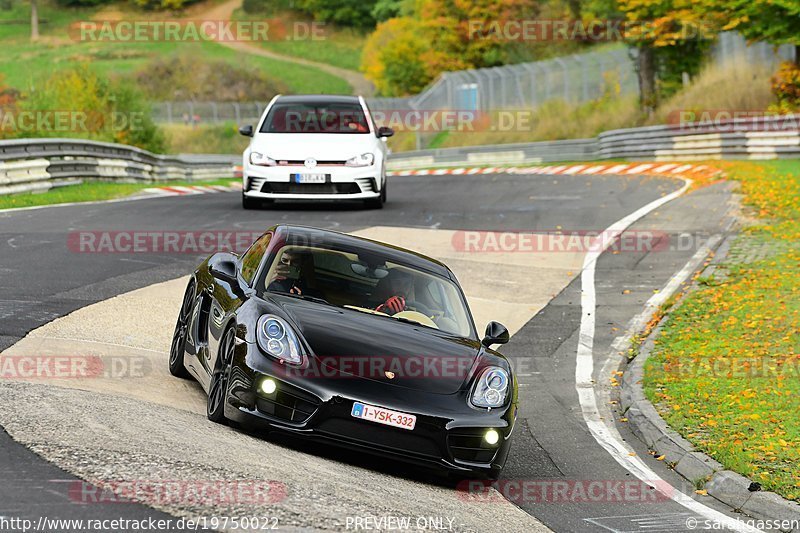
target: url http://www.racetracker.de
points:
(45, 524)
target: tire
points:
(218, 389)
(177, 349)
(249, 203)
(377, 203)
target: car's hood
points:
(350, 344)
(320, 146)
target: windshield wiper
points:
(408, 321)
(305, 297)
(404, 319)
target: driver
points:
(397, 292)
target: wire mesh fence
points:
(575, 78)
(732, 47)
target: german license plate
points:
(380, 415)
(309, 178)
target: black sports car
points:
(364, 344)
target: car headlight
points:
(261, 160)
(491, 389)
(363, 160)
(277, 338)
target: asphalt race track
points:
(126, 430)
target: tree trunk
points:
(575, 8)
(797, 55)
(34, 21)
(646, 70)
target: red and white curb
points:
(567, 170)
(185, 190)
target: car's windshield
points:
(311, 117)
(368, 285)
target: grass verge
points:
(24, 63)
(337, 46)
(725, 371)
(90, 192)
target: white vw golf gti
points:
(315, 147)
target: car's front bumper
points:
(448, 434)
(342, 183)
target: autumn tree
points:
(670, 36)
(407, 52)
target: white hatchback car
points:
(317, 147)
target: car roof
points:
(395, 254)
(318, 99)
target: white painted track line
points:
(602, 430)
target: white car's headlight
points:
(261, 160)
(491, 389)
(277, 338)
(363, 160)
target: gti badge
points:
(310, 162)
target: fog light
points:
(491, 437)
(268, 386)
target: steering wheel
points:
(424, 309)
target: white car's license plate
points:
(309, 178)
(383, 416)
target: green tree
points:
(356, 13)
(393, 57)
(773, 21)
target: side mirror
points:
(496, 333)
(223, 267)
(247, 131)
(385, 131)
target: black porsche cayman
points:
(364, 344)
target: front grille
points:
(468, 445)
(288, 403)
(371, 433)
(310, 188)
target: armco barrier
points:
(762, 138)
(39, 164)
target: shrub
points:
(78, 103)
(786, 87)
(187, 77)
(172, 5)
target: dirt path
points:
(224, 11)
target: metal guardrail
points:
(40, 164)
(764, 138)
(538, 152)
